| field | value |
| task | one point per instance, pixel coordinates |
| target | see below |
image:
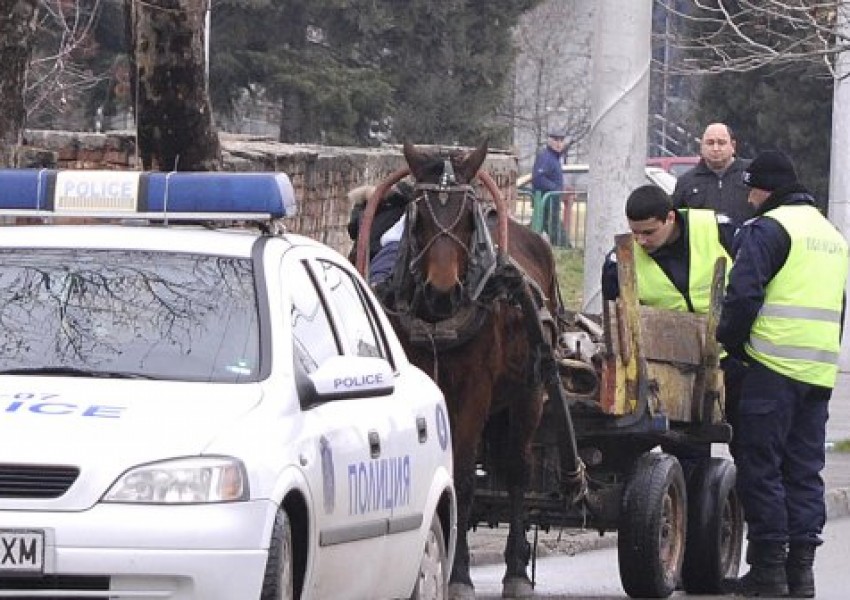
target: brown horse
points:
(460, 321)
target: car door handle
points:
(374, 444)
(422, 429)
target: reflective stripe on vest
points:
(704, 248)
(797, 329)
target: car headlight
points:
(182, 481)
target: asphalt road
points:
(595, 574)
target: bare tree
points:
(744, 35)
(552, 72)
(168, 71)
(58, 75)
(17, 26)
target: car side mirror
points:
(341, 377)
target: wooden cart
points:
(645, 407)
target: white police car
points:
(191, 412)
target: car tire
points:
(432, 580)
(652, 527)
(278, 581)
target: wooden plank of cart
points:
(645, 429)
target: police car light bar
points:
(137, 195)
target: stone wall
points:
(321, 175)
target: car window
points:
(312, 334)
(358, 325)
(121, 313)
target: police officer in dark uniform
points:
(782, 314)
(716, 181)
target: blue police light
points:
(133, 194)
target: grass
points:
(842, 446)
(570, 266)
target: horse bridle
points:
(425, 193)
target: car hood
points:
(107, 427)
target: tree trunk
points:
(168, 69)
(17, 25)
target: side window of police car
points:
(361, 331)
(313, 336)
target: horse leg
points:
(467, 427)
(524, 417)
(460, 583)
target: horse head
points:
(443, 220)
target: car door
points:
(343, 438)
(404, 472)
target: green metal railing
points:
(566, 228)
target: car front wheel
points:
(278, 579)
(432, 581)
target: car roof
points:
(188, 239)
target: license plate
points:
(21, 550)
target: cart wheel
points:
(652, 527)
(715, 528)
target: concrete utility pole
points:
(839, 175)
(619, 108)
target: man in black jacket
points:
(716, 182)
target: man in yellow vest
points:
(782, 315)
(675, 251)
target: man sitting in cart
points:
(675, 252)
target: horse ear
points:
(473, 161)
(416, 160)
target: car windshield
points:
(134, 314)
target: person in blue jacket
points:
(547, 176)
(782, 315)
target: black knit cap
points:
(770, 171)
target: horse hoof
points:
(461, 591)
(517, 587)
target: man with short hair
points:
(675, 252)
(716, 181)
(547, 176)
(782, 315)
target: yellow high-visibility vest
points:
(704, 248)
(797, 330)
